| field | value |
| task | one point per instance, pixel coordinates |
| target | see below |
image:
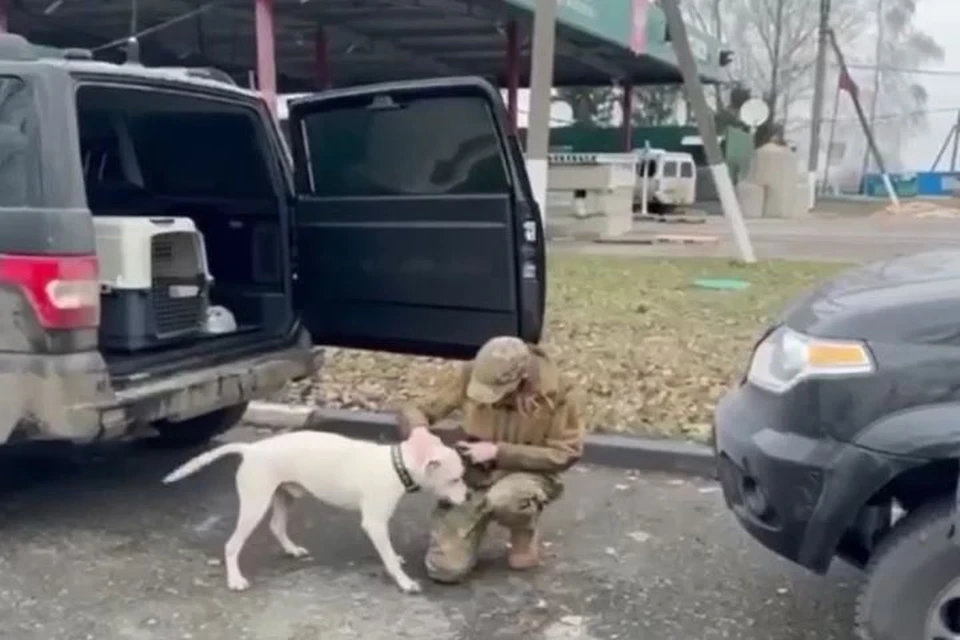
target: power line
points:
(925, 72)
(887, 116)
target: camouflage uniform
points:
(533, 447)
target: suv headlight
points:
(786, 357)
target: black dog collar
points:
(396, 456)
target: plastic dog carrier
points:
(154, 281)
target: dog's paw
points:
(409, 586)
(237, 583)
(298, 552)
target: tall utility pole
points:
(956, 143)
(707, 128)
(876, 85)
(775, 67)
(820, 75)
(867, 131)
(718, 28)
(541, 88)
(952, 136)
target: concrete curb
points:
(623, 452)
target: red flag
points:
(847, 84)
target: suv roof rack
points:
(77, 54)
(131, 50)
(207, 73)
(14, 47)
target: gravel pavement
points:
(94, 547)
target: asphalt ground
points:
(94, 547)
(813, 238)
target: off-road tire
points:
(911, 566)
(199, 430)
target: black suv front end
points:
(855, 385)
(794, 488)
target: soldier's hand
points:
(478, 452)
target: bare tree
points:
(774, 44)
(899, 45)
(774, 41)
(589, 105)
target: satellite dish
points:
(754, 112)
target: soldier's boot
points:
(516, 501)
(524, 550)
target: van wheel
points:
(913, 580)
(197, 431)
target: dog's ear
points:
(423, 446)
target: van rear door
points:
(415, 227)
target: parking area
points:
(95, 547)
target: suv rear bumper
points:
(795, 494)
(69, 397)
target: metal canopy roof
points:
(368, 40)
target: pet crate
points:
(154, 281)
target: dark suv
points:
(843, 438)
(401, 220)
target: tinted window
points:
(209, 155)
(686, 170)
(20, 170)
(170, 145)
(436, 146)
(670, 169)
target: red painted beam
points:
(266, 52)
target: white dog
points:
(342, 472)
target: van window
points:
(20, 167)
(434, 146)
(686, 170)
(651, 169)
(670, 169)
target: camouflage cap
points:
(498, 369)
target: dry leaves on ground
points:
(652, 352)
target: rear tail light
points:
(63, 291)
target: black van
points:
(403, 221)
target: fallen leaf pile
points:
(942, 208)
(652, 352)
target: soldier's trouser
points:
(515, 501)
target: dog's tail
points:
(195, 464)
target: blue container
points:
(906, 185)
(923, 183)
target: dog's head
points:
(436, 467)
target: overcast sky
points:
(941, 19)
